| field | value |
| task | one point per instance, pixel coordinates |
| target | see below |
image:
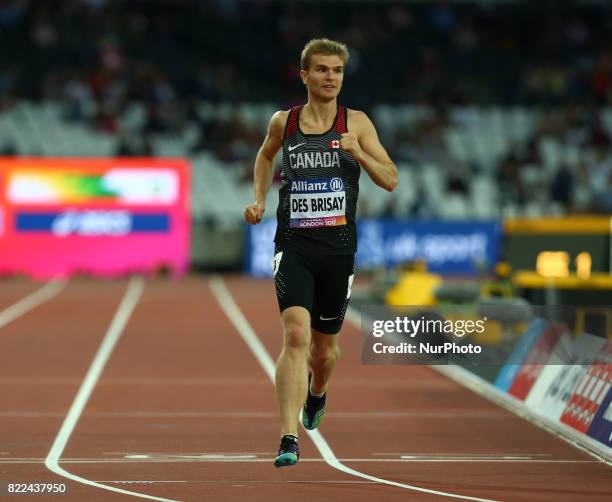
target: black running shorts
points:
(321, 283)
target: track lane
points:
(167, 391)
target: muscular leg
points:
(291, 367)
(322, 358)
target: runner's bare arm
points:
(363, 144)
(264, 166)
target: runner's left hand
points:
(350, 143)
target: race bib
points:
(317, 202)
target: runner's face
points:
(324, 76)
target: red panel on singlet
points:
(292, 121)
(340, 125)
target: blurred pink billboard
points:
(94, 216)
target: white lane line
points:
(234, 314)
(250, 414)
(231, 382)
(126, 307)
(396, 454)
(243, 481)
(158, 453)
(176, 459)
(33, 300)
(198, 456)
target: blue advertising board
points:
(448, 247)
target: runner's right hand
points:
(253, 213)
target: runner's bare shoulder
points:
(278, 123)
(357, 120)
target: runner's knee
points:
(296, 336)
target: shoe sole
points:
(286, 459)
(317, 420)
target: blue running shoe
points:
(314, 409)
(288, 453)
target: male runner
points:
(325, 146)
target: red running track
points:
(182, 410)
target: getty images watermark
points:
(419, 335)
(405, 326)
(487, 333)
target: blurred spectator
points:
(130, 145)
(562, 187)
(124, 147)
(509, 179)
(391, 208)
(7, 82)
(9, 149)
(106, 120)
(78, 98)
(601, 201)
(457, 181)
(601, 167)
(422, 207)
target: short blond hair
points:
(323, 47)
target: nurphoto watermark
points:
(488, 333)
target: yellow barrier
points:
(528, 279)
(414, 288)
(565, 225)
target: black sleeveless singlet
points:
(318, 198)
